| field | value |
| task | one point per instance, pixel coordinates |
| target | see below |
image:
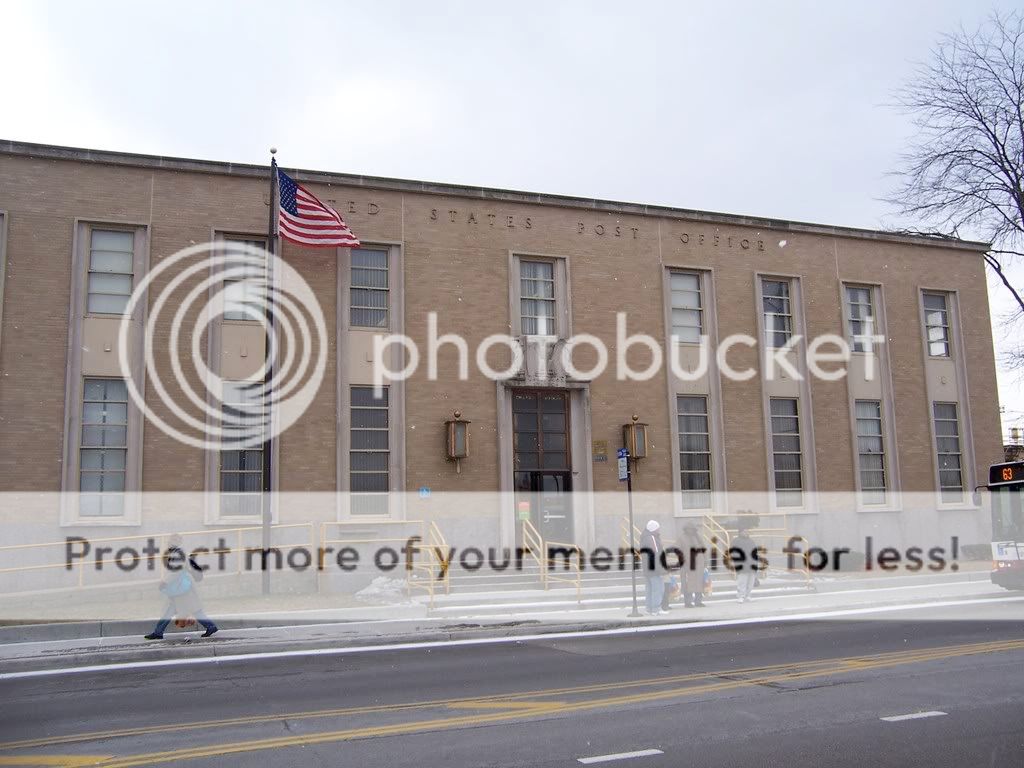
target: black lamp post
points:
(634, 440)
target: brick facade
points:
(455, 245)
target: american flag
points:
(303, 219)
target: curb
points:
(29, 632)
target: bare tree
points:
(965, 170)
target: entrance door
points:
(542, 468)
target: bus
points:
(1006, 483)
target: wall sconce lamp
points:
(634, 438)
(458, 440)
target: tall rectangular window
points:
(861, 316)
(369, 452)
(778, 312)
(111, 270)
(369, 292)
(103, 447)
(936, 322)
(694, 451)
(242, 289)
(687, 306)
(870, 451)
(947, 448)
(241, 470)
(787, 463)
(537, 297)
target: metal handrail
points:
(624, 534)
(441, 553)
(97, 562)
(419, 575)
(780, 532)
(805, 556)
(574, 562)
(533, 545)
(716, 535)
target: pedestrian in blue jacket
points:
(180, 590)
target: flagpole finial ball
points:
(273, 150)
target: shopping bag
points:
(672, 591)
(708, 587)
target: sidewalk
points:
(283, 631)
(122, 617)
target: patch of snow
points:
(384, 589)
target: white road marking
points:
(510, 639)
(913, 716)
(618, 756)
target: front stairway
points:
(569, 585)
(491, 594)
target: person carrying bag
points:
(179, 589)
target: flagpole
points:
(268, 375)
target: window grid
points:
(369, 452)
(787, 461)
(111, 271)
(870, 451)
(694, 451)
(687, 306)
(103, 447)
(936, 321)
(860, 315)
(948, 452)
(242, 295)
(778, 312)
(241, 471)
(369, 292)
(537, 297)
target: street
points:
(796, 693)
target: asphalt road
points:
(785, 694)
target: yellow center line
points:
(372, 709)
(840, 666)
(68, 761)
(336, 712)
(512, 705)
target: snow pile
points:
(384, 589)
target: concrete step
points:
(561, 593)
(462, 581)
(562, 600)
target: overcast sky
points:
(764, 108)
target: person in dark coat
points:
(180, 590)
(695, 559)
(743, 556)
(651, 563)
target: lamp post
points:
(634, 439)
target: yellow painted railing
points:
(429, 558)
(717, 537)
(533, 547)
(772, 539)
(103, 554)
(624, 535)
(564, 563)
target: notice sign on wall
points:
(524, 510)
(599, 450)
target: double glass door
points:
(542, 463)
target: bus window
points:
(1008, 513)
